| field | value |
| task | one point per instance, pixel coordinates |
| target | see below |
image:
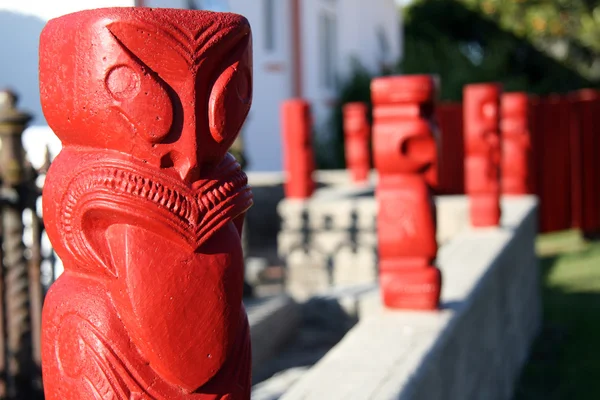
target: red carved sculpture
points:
(357, 132)
(405, 153)
(481, 105)
(514, 125)
(145, 206)
(298, 156)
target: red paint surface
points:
(357, 134)
(482, 152)
(550, 127)
(144, 205)
(452, 149)
(563, 169)
(298, 155)
(585, 120)
(516, 144)
(405, 155)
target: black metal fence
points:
(28, 262)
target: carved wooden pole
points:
(298, 153)
(357, 132)
(16, 268)
(481, 105)
(405, 151)
(145, 206)
(515, 143)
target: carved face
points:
(143, 196)
(481, 108)
(482, 137)
(171, 88)
(514, 107)
(403, 138)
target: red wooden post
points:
(515, 143)
(357, 132)
(585, 176)
(405, 152)
(298, 153)
(482, 152)
(145, 206)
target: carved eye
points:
(141, 98)
(122, 82)
(229, 102)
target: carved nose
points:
(189, 170)
(187, 166)
(185, 154)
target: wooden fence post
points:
(298, 153)
(483, 155)
(357, 133)
(405, 153)
(516, 143)
(145, 206)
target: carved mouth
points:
(188, 206)
(120, 186)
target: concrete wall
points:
(473, 348)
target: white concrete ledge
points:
(473, 348)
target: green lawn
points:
(565, 363)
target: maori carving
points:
(145, 206)
(357, 132)
(405, 154)
(515, 143)
(482, 152)
(299, 163)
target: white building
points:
(301, 49)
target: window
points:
(269, 24)
(327, 42)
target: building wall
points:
(380, 18)
(272, 81)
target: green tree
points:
(567, 30)
(464, 45)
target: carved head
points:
(481, 104)
(169, 87)
(404, 129)
(355, 119)
(515, 108)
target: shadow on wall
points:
(19, 39)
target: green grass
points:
(565, 361)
